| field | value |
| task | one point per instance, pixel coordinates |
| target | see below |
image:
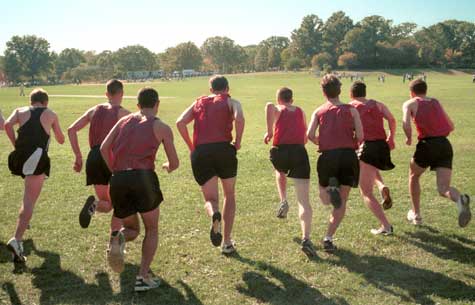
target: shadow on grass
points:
(391, 276)
(58, 286)
(272, 285)
(451, 247)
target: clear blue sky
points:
(110, 24)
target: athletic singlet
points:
(290, 127)
(102, 121)
(213, 120)
(372, 119)
(430, 119)
(32, 135)
(136, 145)
(336, 127)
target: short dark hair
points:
(147, 97)
(285, 94)
(358, 89)
(114, 86)
(218, 83)
(331, 85)
(418, 86)
(39, 95)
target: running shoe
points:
(228, 249)
(116, 251)
(383, 231)
(463, 206)
(334, 192)
(283, 209)
(16, 247)
(387, 200)
(87, 211)
(215, 230)
(308, 248)
(145, 284)
(413, 218)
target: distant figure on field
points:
(22, 89)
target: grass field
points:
(431, 264)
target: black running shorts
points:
(434, 152)
(377, 154)
(134, 191)
(97, 172)
(214, 159)
(339, 163)
(291, 159)
(29, 163)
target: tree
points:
(251, 51)
(183, 56)
(222, 53)
(293, 64)
(261, 59)
(403, 30)
(321, 59)
(269, 52)
(67, 59)
(135, 58)
(27, 56)
(334, 31)
(348, 60)
(307, 39)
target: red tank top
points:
(290, 127)
(136, 145)
(213, 120)
(372, 119)
(103, 119)
(336, 127)
(430, 119)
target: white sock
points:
(328, 238)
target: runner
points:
(374, 153)
(213, 156)
(134, 188)
(433, 150)
(287, 124)
(101, 118)
(339, 131)
(30, 158)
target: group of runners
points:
(352, 140)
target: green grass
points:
(432, 264)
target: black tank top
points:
(32, 135)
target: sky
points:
(111, 24)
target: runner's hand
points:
(391, 143)
(267, 137)
(78, 164)
(408, 141)
(237, 145)
(166, 166)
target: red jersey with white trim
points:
(290, 127)
(102, 121)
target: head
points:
(148, 99)
(39, 96)
(331, 86)
(218, 84)
(285, 96)
(358, 90)
(418, 87)
(115, 90)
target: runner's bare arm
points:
(79, 124)
(58, 133)
(406, 121)
(239, 122)
(358, 125)
(9, 123)
(312, 128)
(107, 144)
(185, 118)
(164, 134)
(270, 119)
(305, 125)
(392, 125)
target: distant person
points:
(134, 187)
(473, 78)
(404, 78)
(374, 153)
(213, 154)
(339, 131)
(287, 125)
(30, 158)
(101, 118)
(22, 89)
(433, 150)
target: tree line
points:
(337, 43)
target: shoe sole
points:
(84, 216)
(215, 236)
(308, 252)
(115, 258)
(142, 289)
(282, 212)
(387, 200)
(329, 250)
(465, 215)
(228, 251)
(334, 193)
(16, 258)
